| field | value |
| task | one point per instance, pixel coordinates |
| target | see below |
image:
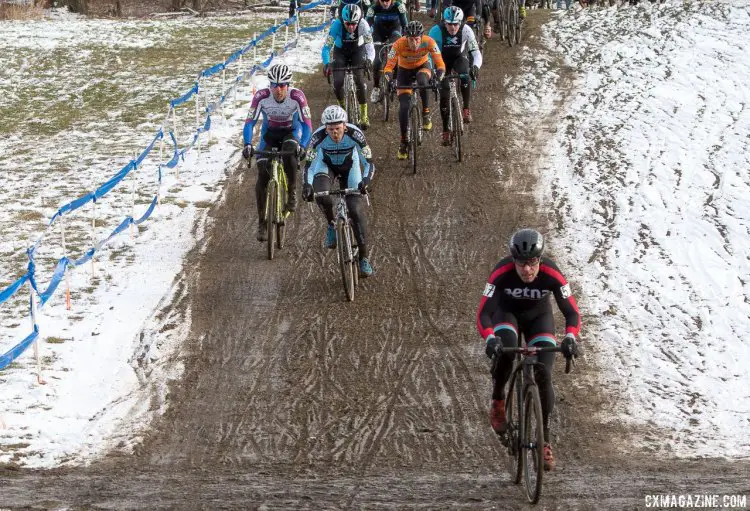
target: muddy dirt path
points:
(293, 398)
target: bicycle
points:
(347, 251)
(350, 93)
(455, 122)
(276, 197)
(388, 95)
(513, 21)
(524, 437)
(415, 117)
(477, 25)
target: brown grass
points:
(20, 12)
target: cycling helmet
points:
(280, 73)
(453, 14)
(414, 29)
(333, 114)
(351, 14)
(526, 244)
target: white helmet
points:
(280, 73)
(333, 114)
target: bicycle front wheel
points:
(343, 242)
(386, 97)
(513, 417)
(533, 444)
(271, 219)
(281, 215)
(414, 134)
(352, 108)
(457, 122)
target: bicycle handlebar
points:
(345, 191)
(273, 154)
(533, 350)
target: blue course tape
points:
(11, 290)
(15, 352)
(185, 97)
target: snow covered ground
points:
(79, 99)
(650, 167)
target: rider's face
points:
(350, 27)
(527, 269)
(414, 42)
(385, 3)
(336, 131)
(452, 28)
(279, 91)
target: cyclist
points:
(412, 54)
(349, 42)
(286, 126)
(338, 149)
(338, 5)
(516, 300)
(388, 20)
(471, 9)
(457, 43)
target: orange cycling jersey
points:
(408, 59)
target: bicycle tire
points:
(352, 107)
(513, 417)
(271, 209)
(457, 122)
(355, 254)
(345, 263)
(280, 210)
(386, 97)
(533, 441)
(414, 134)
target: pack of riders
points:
(516, 298)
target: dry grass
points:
(20, 12)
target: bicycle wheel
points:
(414, 133)
(352, 108)
(533, 444)
(457, 125)
(271, 209)
(386, 97)
(355, 254)
(281, 210)
(345, 259)
(513, 417)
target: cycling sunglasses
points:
(527, 262)
(278, 85)
(350, 23)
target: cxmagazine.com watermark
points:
(695, 501)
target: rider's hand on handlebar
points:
(248, 151)
(491, 347)
(301, 153)
(439, 75)
(327, 70)
(307, 192)
(474, 73)
(388, 77)
(570, 347)
(364, 185)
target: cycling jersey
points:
(505, 292)
(409, 59)
(339, 37)
(455, 46)
(349, 154)
(385, 21)
(292, 114)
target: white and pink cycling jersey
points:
(279, 115)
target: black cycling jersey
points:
(385, 21)
(506, 292)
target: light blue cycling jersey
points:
(339, 37)
(352, 154)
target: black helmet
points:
(526, 244)
(414, 29)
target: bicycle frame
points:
(350, 92)
(414, 129)
(276, 194)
